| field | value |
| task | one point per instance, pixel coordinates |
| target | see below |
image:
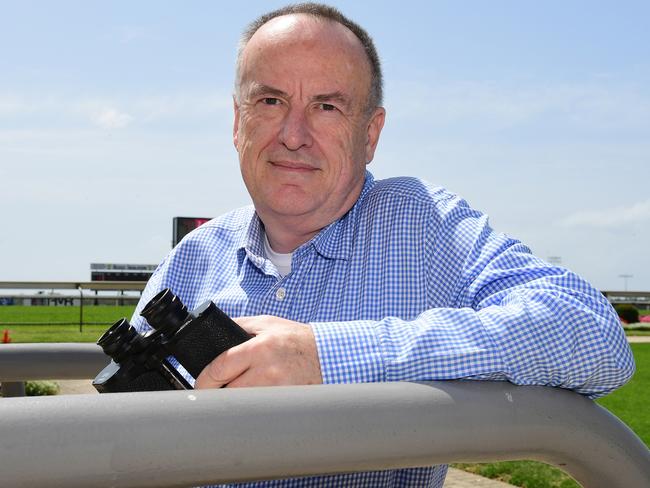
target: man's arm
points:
(511, 317)
(527, 336)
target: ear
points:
(375, 124)
(235, 127)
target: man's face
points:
(302, 128)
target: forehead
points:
(301, 48)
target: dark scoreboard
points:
(185, 225)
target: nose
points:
(295, 132)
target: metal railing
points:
(640, 299)
(56, 361)
(72, 285)
(184, 438)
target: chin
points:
(291, 209)
(292, 200)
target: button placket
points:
(280, 294)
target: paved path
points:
(461, 479)
(73, 387)
(638, 338)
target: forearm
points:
(533, 337)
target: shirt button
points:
(280, 293)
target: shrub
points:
(39, 388)
(627, 312)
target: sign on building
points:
(121, 272)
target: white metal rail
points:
(72, 285)
(185, 438)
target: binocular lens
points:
(116, 337)
(165, 312)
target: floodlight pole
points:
(81, 308)
(625, 278)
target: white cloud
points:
(183, 105)
(612, 217)
(11, 104)
(591, 105)
(127, 34)
(103, 112)
(111, 118)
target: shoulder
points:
(210, 245)
(227, 229)
(414, 195)
(204, 257)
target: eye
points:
(271, 101)
(327, 107)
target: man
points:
(340, 278)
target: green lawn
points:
(528, 474)
(637, 332)
(104, 315)
(631, 402)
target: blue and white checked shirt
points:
(411, 284)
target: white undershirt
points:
(281, 261)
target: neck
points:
(286, 232)
(285, 239)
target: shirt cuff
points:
(349, 352)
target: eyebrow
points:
(336, 96)
(258, 89)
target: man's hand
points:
(281, 352)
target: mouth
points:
(296, 166)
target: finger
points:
(246, 379)
(252, 325)
(268, 376)
(224, 368)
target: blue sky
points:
(116, 116)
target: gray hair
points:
(321, 11)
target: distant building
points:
(121, 272)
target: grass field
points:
(105, 315)
(637, 332)
(630, 403)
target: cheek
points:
(246, 130)
(253, 136)
(345, 149)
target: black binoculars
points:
(141, 362)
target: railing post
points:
(13, 389)
(81, 309)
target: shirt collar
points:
(333, 241)
(251, 243)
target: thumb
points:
(225, 368)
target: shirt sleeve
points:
(155, 284)
(511, 317)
